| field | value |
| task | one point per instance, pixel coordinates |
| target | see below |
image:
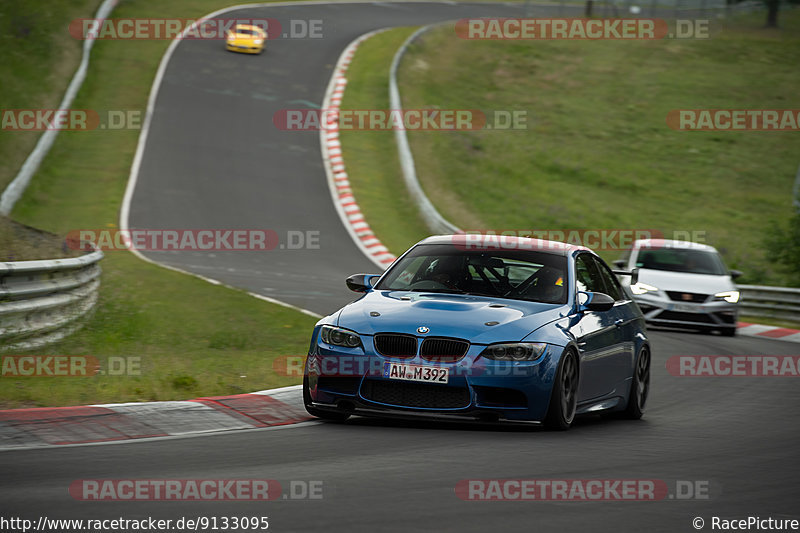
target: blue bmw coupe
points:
(465, 327)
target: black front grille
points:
(441, 349)
(726, 318)
(679, 296)
(684, 317)
(406, 394)
(396, 345)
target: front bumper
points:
(478, 389)
(482, 416)
(664, 311)
(244, 48)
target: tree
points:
(783, 249)
(772, 12)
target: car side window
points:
(587, 276)
(613, 287)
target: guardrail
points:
(771, 302)
(43, 301)
(433, 219)
(13, 192)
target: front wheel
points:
(640, 386)
(564, 398)
(324, 415)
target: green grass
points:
(193, 338)
(190, 338)
(597, 153)
(23, 243)
(39, 58)
(371, 156)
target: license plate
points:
(426, 374)
(684, 308)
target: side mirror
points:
(360, 282)
(595, 301)
(634, 274)
(736, 274)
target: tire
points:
(564, 397)
(728, 332)
(323, 415)
(640, 386)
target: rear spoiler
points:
(634, 274)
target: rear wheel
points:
(728, 332)
(640, 386)
(324, 415)
(564, 398)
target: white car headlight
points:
(642, 288)
(258, 41)
(729, 296)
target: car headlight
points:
(642, 288)
(258, 41)
(339, 337)
(729, 296)
(515, 351)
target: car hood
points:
(447, 315)
(686, 282)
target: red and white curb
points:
(87, 424)
(338, 181)
(770, 332)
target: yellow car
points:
(246, 39)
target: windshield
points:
(245, 31)
(682, 260)
(516, 274)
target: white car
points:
(683, 284)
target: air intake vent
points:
(396, 345)
(687, 296)
(442, 349)
(415, 394)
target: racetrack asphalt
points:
(214, 159)
(737, 435)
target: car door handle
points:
(619, 322)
